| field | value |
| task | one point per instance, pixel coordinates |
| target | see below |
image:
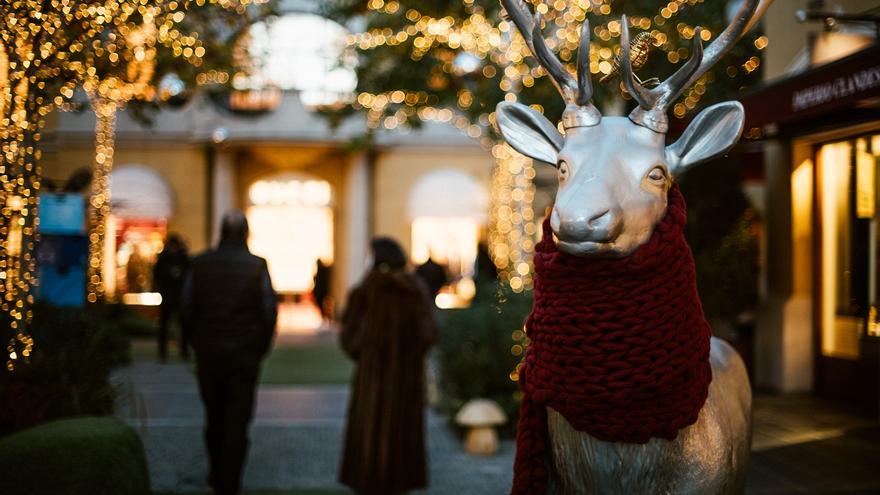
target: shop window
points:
(291, 225)
(136, 229)
(451, 242)
(848, 196)
(869, 194)
(446, 228)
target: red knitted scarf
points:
(619, 347)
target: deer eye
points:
(564, 170)
(657, 174)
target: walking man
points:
(229, 301)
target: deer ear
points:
(711, 134)
(528, 132)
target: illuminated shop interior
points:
(136, 229)
(448, 213)
(291, 226)
(847, 196)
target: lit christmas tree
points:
(47, 49)
(452, 61)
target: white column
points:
(355, 229)
(224, 189)
(784, 334)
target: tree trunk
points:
(20, 174)
(99, 201)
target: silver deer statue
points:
(614, 174)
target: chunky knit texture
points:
(619, 347)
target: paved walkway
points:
(296, 438)
(800, 444)
(806, 445)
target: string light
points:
(513, 227)
(99, 203)
(492, 50)
(135, 46)
(39, 41)
(127, 57)
(47, 49)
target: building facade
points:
(817, 122)
(306, 192)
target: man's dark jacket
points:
(229, 301)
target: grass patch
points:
(147, 349)
(307, 364)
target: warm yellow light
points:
(802, 222)
(291, 192)
(840, 334)
(866, 180)
(450, 241)
(142, 299)
(276, 233)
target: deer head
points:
(615, 172)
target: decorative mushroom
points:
(481, 416)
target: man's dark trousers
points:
(227, 385)
(167, 311)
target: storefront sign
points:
(840, 87)
(830, 88)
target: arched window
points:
(448, 209)
(301, 52)
(142, 203)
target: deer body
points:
(614, 175)
(710, 456)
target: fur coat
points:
(388, 327)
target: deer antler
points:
(653, 103)
(577, 93)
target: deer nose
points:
(603, 226)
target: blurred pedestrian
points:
(321, 288)
(388, 327)
(169, 273)
(229, 300)
(485, 275)
(434, 276)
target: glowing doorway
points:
(446, 229)
(291, 224)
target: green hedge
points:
(475, 350)
(69, 370)
(76, 456)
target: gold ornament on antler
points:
(639, 49)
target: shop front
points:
(820, 132)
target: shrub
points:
(132, 323)
(722, 232)
(69, 369)
(474, 350)
(78, 456)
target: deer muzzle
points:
(585, 232)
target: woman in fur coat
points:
(388, 328)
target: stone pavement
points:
(800, 444)
(296, 438)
